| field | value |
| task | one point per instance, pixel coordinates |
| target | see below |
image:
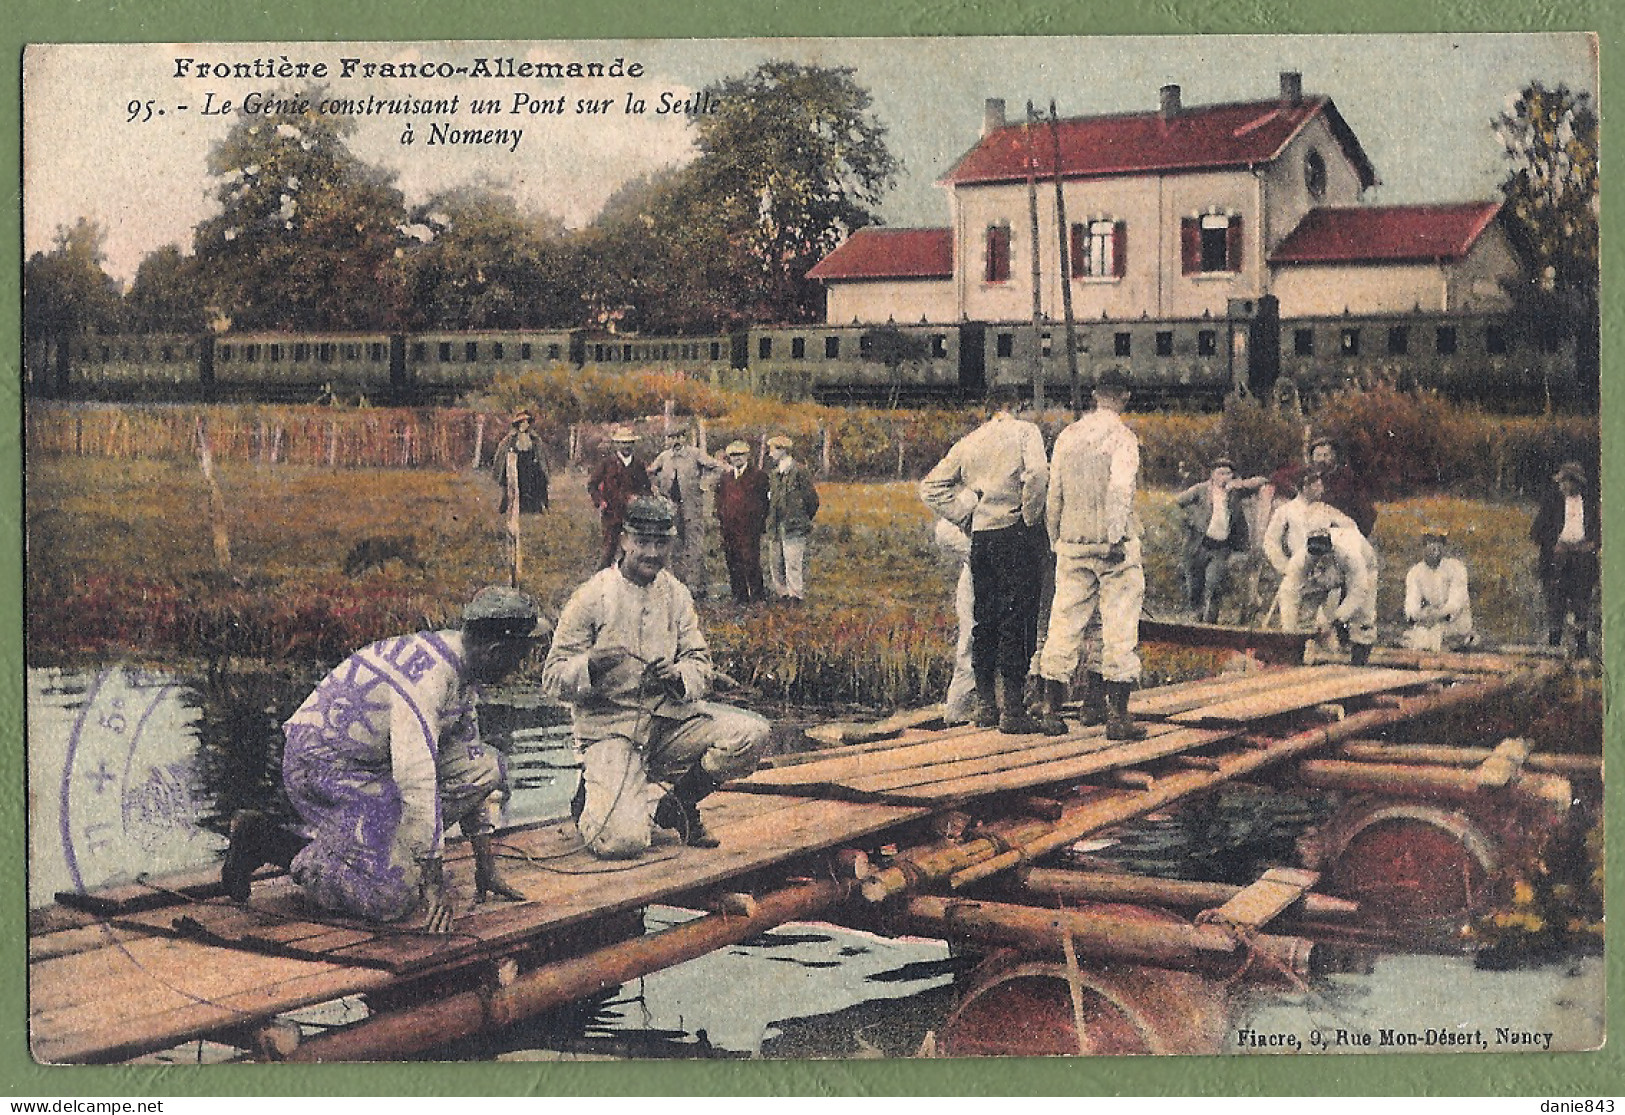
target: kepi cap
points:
(651, 517)
(1112, 379)
(501, 612)
(1571, 470)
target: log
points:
(401, 1033)
(1112, 886)
(1273, 646)
(1375, 751)
(1550, 790)
(1102, 933)
(1459, 661)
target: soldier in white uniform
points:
(680, 473)
(629, 658)
(1095, 534)
(1437, 601)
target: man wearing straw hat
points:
(382, 758)
(1568, 530)
(618, 477)
(1437, 602)
(630, 660)
(680, 474)
(742, 498)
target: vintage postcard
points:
(812, 548)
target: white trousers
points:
(1087, 584)
(786, 561)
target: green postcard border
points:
(1543, 1076)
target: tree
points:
(484, 264)
(66, 293)
(1552, 196)
(165, 296)
(889, 345)
(308, 236)
(791, 163)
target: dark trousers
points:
(1207, 577)
(1568, 579)
(612, 541)
(744, 557)
(1007, 576)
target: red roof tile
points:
(1386, 234)
(1202, 137)
(890, 253)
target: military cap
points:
(1112, 379)
(501, 612)
(1571, 470)
(651, 517)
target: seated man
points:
(1215, 533)
(1437, 603)
(381, 758)
(1331, 589)
(629, 658)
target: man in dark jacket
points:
(618, 477)
(792, 502)
(1215, 531)
(741, 499)
(1346, 490)
(1568, 530)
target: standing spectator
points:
(994, 480)
(742, 510)
(1215, 533)
(1437, 602)
(1346, 490)
(792, 504)
(1568, 530)
(521, 444)
(1095, 534)
(618, 477)
(680, 474)
(1331, 589)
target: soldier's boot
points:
(255, 840)
(1049, 708)
(1359, 654)
(1119, 725)
(987, 701)
(1092, 709)
(1014, 720)
(680, 808)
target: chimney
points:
(992, 115)
(1170, 101)
(1291, 87)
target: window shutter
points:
(1190, 245)
(1232, 246)
(1079, 248)
(1120, 249)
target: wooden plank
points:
(1167, 701)
(1276, 702)
(944, 749)
(1265, 899)
(166, 890)
(66, 942)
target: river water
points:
(133, 771)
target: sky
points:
(1421, 105)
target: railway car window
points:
(1207, 342)
(798, 348)
(552, 352)
(1046, 344)
(1303, 342)
(496, 350)
(124, 352)
(1444, 341)
(301, 352)
(1399, 340)
(1496, 341)
(764, 347)
(598, 353)
(420, 351)
(626, 352)
(524, 350)
(939, 344)
(106, 352)
(998, 254)
(1122, 344)
(273, 353)
(1165, 342)
(866, 345)
(716, 350)
(350, 352)
(375, 352)
(471, 351)
(832, 348)
(251, 353)
(143, 355)
(1349, 342)
(445, 352)
(166, 354)
(324, 352)
(223, 354)
(1005, 344)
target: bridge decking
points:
(137, 977)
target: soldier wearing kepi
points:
(629, 658)
(381, 759)
(1331, 589)
(992, 482)
(1095, 534)
(680, 474)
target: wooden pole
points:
(1064, 270)
(510, 477)
(1112, 886)
(479, 441)
(1373, 751)
(1038, 296)
(1441, 783)
(404, 1032)
(217, 502)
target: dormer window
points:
(1314, 174)
(1099, 249)
(1210, 244)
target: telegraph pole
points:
(1038, 301)
(1065, 269)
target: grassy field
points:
(121, 564)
